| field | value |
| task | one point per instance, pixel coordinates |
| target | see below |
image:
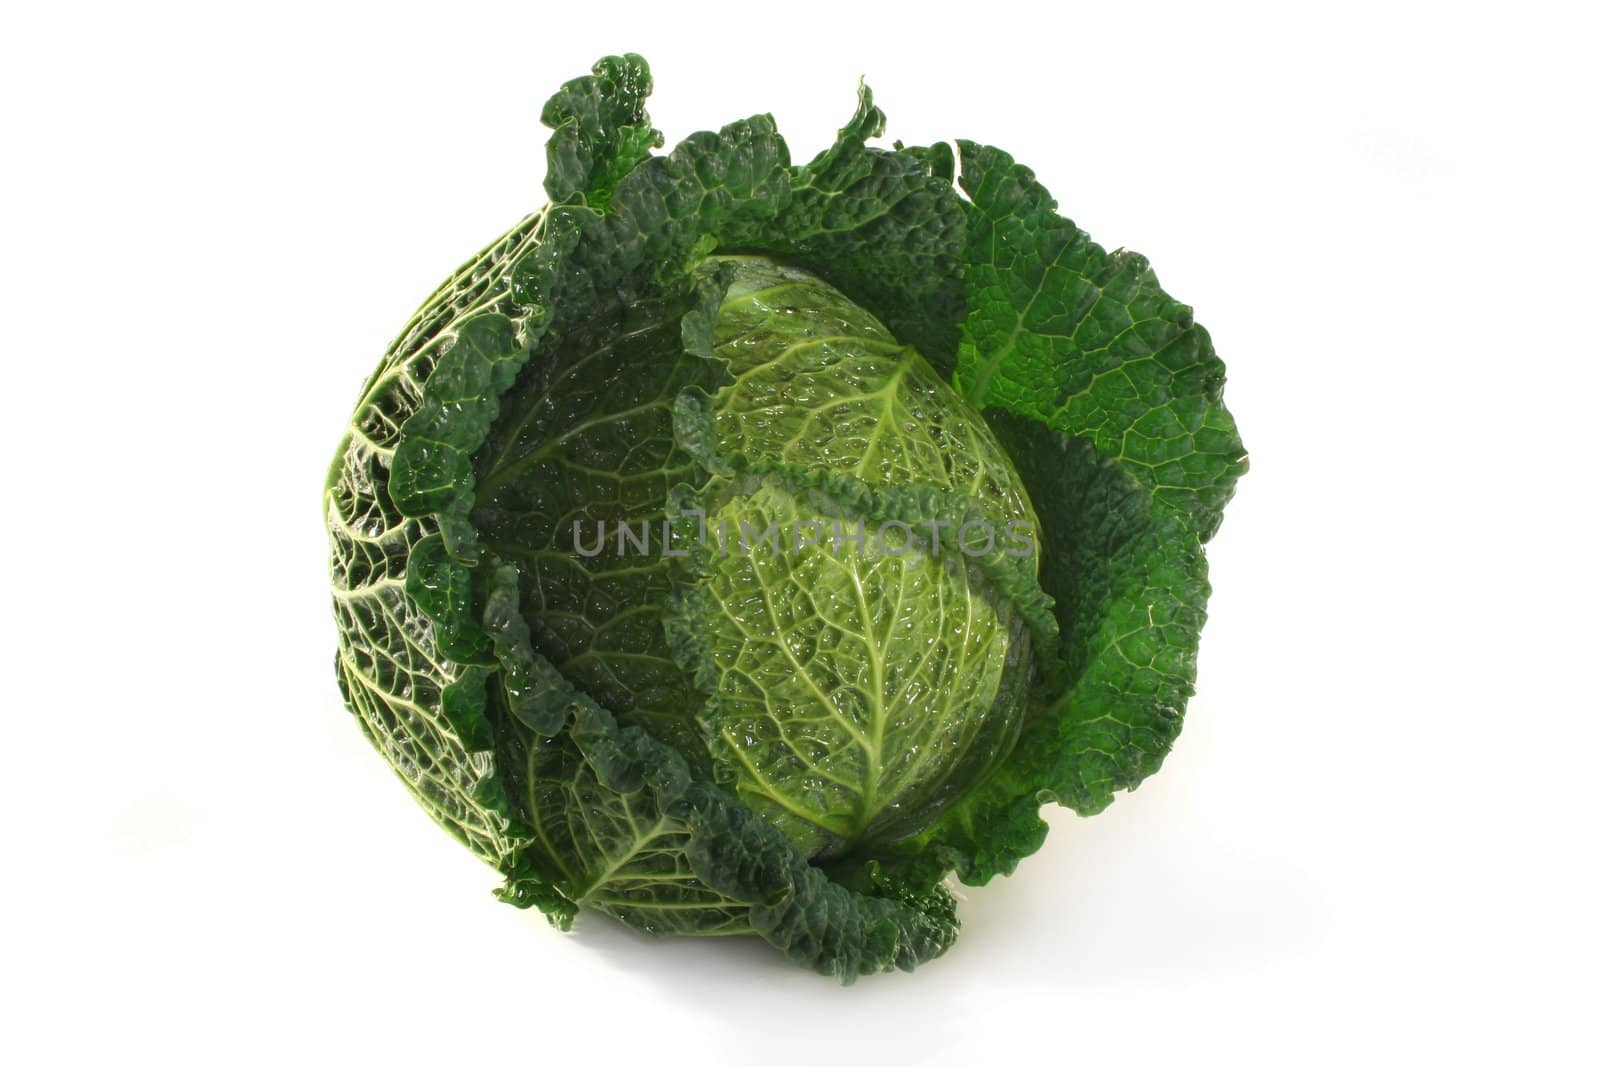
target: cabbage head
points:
(738, 547)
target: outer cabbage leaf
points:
(880, 226)
(1085, 340)
(600, 131)
(419, 698)
(1107, 396)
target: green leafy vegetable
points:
(737, 547)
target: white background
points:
(1375, 840)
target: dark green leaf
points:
(1085, 340)
(601, 131)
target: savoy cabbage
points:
(741, 547)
